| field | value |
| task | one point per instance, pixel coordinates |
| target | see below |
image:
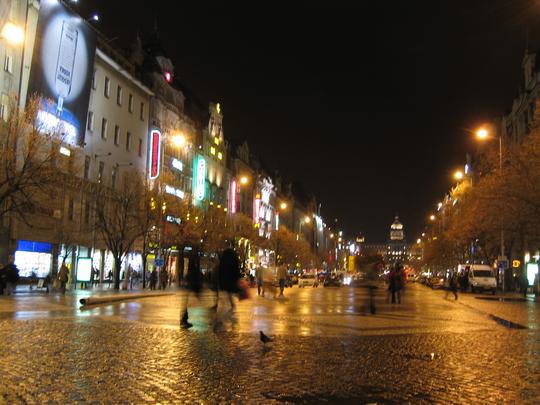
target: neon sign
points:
(199, 178)
(232, 197)
(174, 191)
(177, 164)
(154, 157)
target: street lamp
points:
(432, 217)
(244, 180)
(483, 134)
(458, 175)
(283, 205)
(179, 140)
(13, 33)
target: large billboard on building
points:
(62, 70)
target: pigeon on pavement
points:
(265, 339)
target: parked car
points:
(481, 277)
(436, 282)
(332, 282)
(308, 280)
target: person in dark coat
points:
(396, 283)
(194, 282)
(12, 275)
(153, 279)
(228, 277)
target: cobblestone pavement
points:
(327, 349)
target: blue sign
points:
(31, 246)
(502, 264)
(159, 262)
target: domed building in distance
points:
(396, 246)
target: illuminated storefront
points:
(33, 257)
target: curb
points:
(85, 302)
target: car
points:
(332, 282)
(307, 280)
(436, 282)
(481, 277)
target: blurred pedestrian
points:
(194, 281)
(228, 278)
(281, 275)
(453, 286)
(153, 279)
(12, 275)
(396, 282)
(163, 278)
(63, 277)
(259, 279)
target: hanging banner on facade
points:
(62, 70)
(199, 178)
(154, 154)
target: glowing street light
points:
(179, 140)
(458, 175)
(13, 33)
(307, 219)
(482, 133)
(244, 180)
(432, 217)
(283, 205)
(418, 240)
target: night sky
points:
(368, 107)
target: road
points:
(327, 349)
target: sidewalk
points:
(96, 290)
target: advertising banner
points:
(62, 70)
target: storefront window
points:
(28, 262)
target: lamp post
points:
(483, 134)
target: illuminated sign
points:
(232, 197)
(256, 210)
(199, 178)
(168, 77)
(173, 220)
(177, 164)
(84, 269)
(61, 71)
(174, 191)
(277, 221)
(154, 155)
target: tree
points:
(117, 214)
(30, 157)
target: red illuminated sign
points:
(168, 77)
(154, 156)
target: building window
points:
(130, 103)
(8, 63)
(70, 208)
(100, 171)
(142, 111)
(139, 152)
(116, 135)
(119, 95)
(90, 121)
(104, 128)
(107, 91)
(4, 107)
(94, 83)
(113, 177)
(128, 141)
(86, 167)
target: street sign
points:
(516, 264)
(159, 262)
(502, 264)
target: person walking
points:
(282, 276)
(63, 276)
(163, 278)
(153, 279)
(396, 282)
(228, 277)
(259, 279)
(194, 282)
(453, 285)
(11, 275)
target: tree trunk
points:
(117, 268)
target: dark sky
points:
(367, 106)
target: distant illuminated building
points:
(396, 247)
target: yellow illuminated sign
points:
(516, 263)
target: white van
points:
(481, 277)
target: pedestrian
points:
(281, 275)
(47, 282)
(523, 283)
(2, 279)
(259, 279)
(153, 279)
(128, 275)
(109, 277)
(63, 276)
(396, 282)
(163, 278)
(228, 277)
(453, 286)
(193, 285)
(12, 275)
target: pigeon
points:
(265, 339)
